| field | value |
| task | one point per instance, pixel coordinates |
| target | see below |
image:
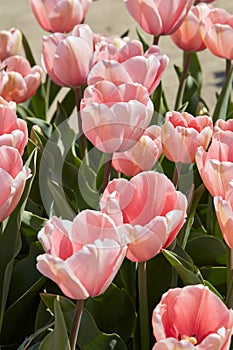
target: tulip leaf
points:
(220, 111)
(187, 272)
(27, 50)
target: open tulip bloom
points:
(116, 204)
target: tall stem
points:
(107, 170)
(143, 306)
(82, 137)
(186, 64)
(156, 40)
(229, 299)
(76, 324)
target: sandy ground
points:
(111, 17)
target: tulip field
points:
(116, 207)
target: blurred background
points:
(111, 17)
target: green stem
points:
(228, 67)
(229, 299)
(143, 306)
(107, 170)
(176, 174)
(186, 64)
(76, 324)
(82, 137)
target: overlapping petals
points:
(10, 42)
(82, 256)
(150, 209)
(115, 117)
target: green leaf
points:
(220, 111)
(188, 272)
(27, 50)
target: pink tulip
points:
(115, 117)
(13, 130)
(192, 318)
(217, 32)
(142, 156)
(18, 81)
(223, 125)
(224, 213)
(67, 58)
(148, 209)
(129, 64)
(59, 15)
(10, 42)
(182, 134)
(13, 176)
(188, 37)
(159, 17)
(82, 256)
(216, 165)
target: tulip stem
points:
(229, 299)
(156, 39)
(82, 137)
(107, 170)
(186, 64)
(143, 306)
(76, 324)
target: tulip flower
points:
(59, 15)
(67, 58)
(13, 130)
(149, 211)
(142, 156)
(192, 318)
(115, 117)
(224, 213)
(217, 31)
(18, 81)
(159, 17)
(13, 176)
(216, 165)
(223, 125)
(82, 257)
(131, 66)
(10, 42)
(182, 134)
(187, 37)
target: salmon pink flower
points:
(129, 64)
(142, 156)
(183, 133)
(67, 58)
(18, 80)
(159, 17)
(224, 213)
(10, 42)
(115, 117)
(148, 209)
(216, 165)
(82, 257)
(187, 37)
(192, 318)
(59, 15)
(13, 130)
(223, 125)
(217, 31)
(13, 176)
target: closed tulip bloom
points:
(192, 318)
(188, 36)
(10, 42)
(59, 15)
(13, 176)
(13, 130)
(82, 257)
(217, 32)
(142, 156)
(183, 133)
(148, 209)
(18, 80)
(224, 213)
(67, 58)
(159, 17)
(130, 65)
(216, 165)
(115, 117)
